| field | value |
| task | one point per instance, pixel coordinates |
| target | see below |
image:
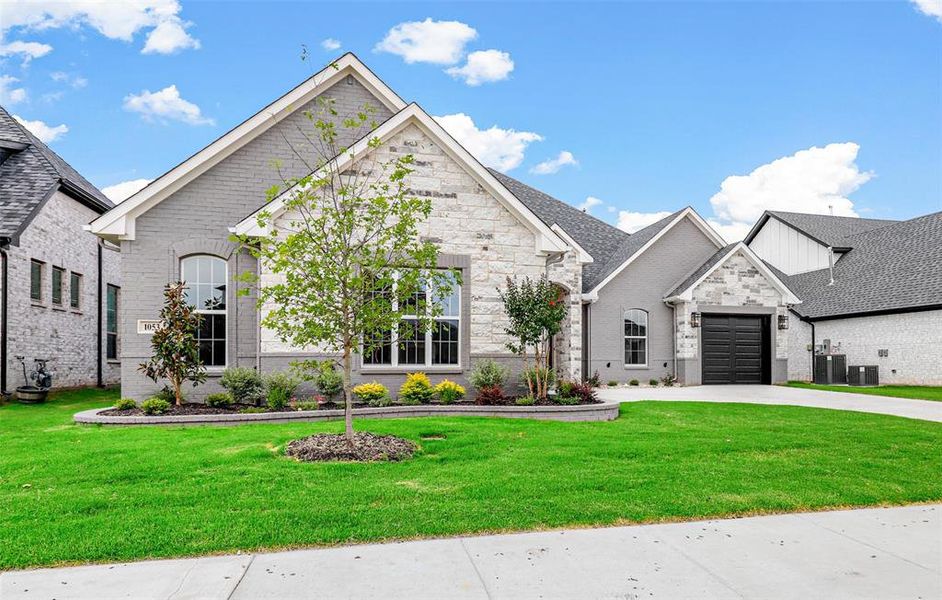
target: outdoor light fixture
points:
(694, 319)
(783, 321)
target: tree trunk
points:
(347, 395)
(176, 391)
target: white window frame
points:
(204, 311)
(394, 341)
(647, 347)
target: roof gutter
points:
(4, 295)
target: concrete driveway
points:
(874, 553)
(925, 410)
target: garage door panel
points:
(734, 349)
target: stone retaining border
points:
(606, 410)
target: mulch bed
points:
(366, 447)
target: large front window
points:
(205, 280)
(636, 338)
(410, 345)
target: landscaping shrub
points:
(595, 380)
(449, 392)
(653, 383)
(582, 393)
(309, 405)
(490, 394)
(567, 400)
(668, 380)
(612, 383)
(166, 394)
(125, 404)
(417, 389)
(525, 401)
(245, 385)
(280, 387)
(633, 382)
(328, 380)
(531, 375)
(155, 406)
(219, 400)
(487, 373)
(373, 393)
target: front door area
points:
(735, 349)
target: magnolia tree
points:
(536, 312)
(345, 252)
(176, 352)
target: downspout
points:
(674, 337)
(4, 246)
(258, 319)
(98, 337)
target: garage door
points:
(735, 349)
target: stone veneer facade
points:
(735, 287)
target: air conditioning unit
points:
(830, 369)
(863, 375)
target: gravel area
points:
(366, 447)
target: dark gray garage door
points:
(735, 349)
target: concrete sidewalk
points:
(925, 410)
(871, 553)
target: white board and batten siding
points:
(788, 249)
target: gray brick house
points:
(671, 298)
(59, 284)
(880, 304)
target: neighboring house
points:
(881, 304)
(636, 302)
(60, 284)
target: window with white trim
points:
(410, 346)
(636, 338)
(205, 279)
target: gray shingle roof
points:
(701, 270)
(894, 267)
(596, 237)
(29, 176)
(827, 229)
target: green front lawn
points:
(913, 392)
(90, 493)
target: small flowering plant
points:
(449, 392)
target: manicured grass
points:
(914, 392)
(90, 493)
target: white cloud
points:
(46, 133)
(633, 221)
(28, 50)
(330, 44)
(930, 8)
(590, 203)
(731, 232)
(502, 149)
(483, 66)
(76, 81)
(166, 105)
(437, 42)
(553, 165)
(124, 190)
(115, 20)
(8, 94)
(169, 37)
(816, 180)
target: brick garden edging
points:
(606, 410)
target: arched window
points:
(205, 278)
(636, 338)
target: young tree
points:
(176, 353)
(536, 312)
(346, 253)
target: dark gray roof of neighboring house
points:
(701, 270)
(895, 267)
(596, 237)
(827, 229)
(29, 176)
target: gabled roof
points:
(29, 175)
(825, 229)
(119, 223)
(546, 239)
(893, 268)
(684, 290)
(638, 242)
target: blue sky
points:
(726, 106)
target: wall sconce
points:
(783, 321)
(694, 319)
